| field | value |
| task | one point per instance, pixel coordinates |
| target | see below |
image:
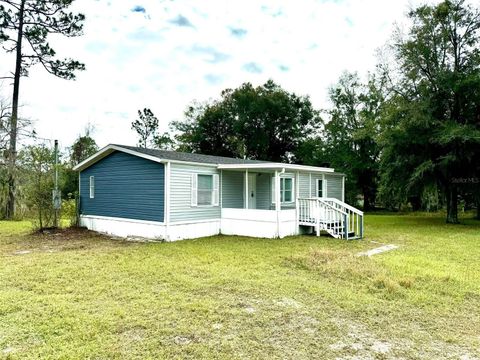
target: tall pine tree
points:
(24, 29)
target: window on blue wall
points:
(205, 190)
(92, 187)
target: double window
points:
(287, 190)
(205, 190)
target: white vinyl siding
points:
(263, 191)
(92, 187)
(233, 189)
(193, 190)
(216, 190)
(304, 185)
(182, 196)
(333, 187)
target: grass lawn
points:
(77, 295)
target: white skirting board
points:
(258, 223)
(193, 230)
(150, 229)
(123, 227)
(242, 222)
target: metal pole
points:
(56, 182)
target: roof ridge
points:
(186, 152)
(189, 156)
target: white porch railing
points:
(331, 215)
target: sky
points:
(164, 54)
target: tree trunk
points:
(478, 208)
(366, 201)
(416, 203)
(452, 204)
(12, 151)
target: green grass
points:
(79, 295)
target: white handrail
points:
(322, 200)
(334, 216)
(346, 206)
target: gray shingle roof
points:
(197, 158)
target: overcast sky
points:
(164, 54)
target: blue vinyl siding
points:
(126, 186)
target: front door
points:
(252, 191)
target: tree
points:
(208, 129)
(83, 147)
(24, 29)
(146, 127)
(432, 129)
(264, 122)
(4, 119)
(163, 142)
(38, 162)
(351, 135)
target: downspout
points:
(278, 205)
(245, 194)
(221, 200)
(297, 195)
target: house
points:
(131, 191)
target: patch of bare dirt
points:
(56, 240)
(360, 343)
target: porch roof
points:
(271, 166)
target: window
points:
(287, 190)
(204, 190)
(319, 188)
(92, 187)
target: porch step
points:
(351, 235)
(330, 215)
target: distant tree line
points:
(409, 135)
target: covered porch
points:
(274, 202)
(258, 202)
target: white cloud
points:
(178, 51)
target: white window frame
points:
(92, 187)
(215, 197)
(293, 189)
(317, 187)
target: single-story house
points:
(132, 191)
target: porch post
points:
(297, 195)
(246, 189)
(277, 201)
